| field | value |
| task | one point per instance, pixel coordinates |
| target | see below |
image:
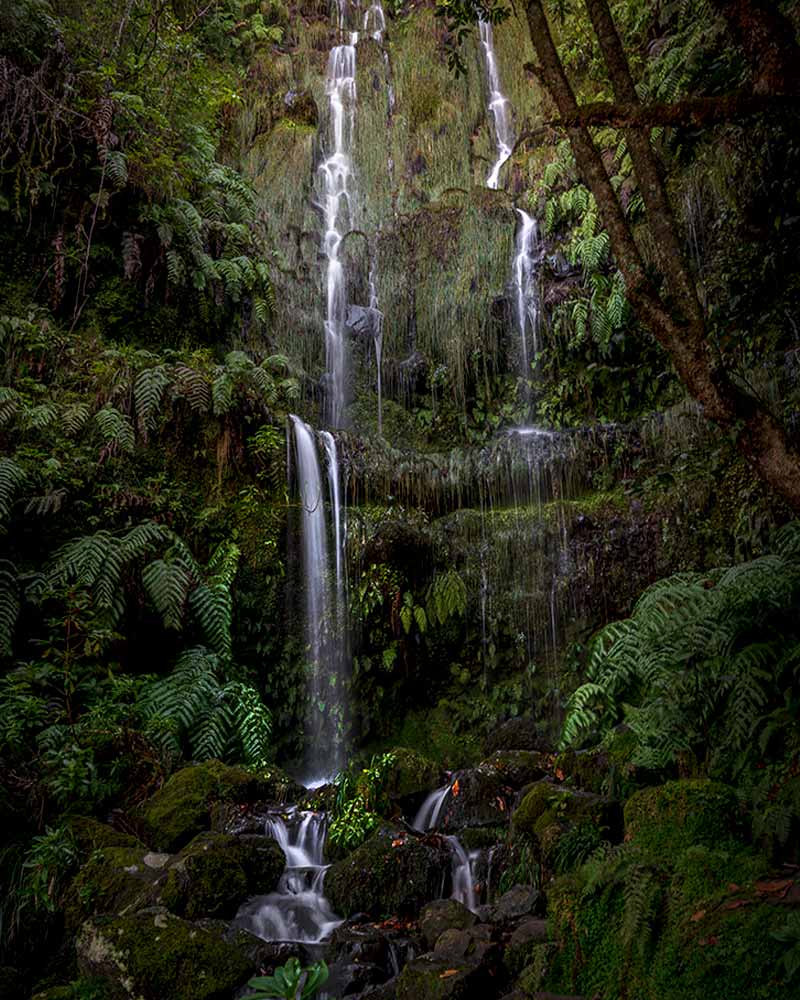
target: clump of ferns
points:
(701, 665)
(204, 705)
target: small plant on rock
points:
(290, 982)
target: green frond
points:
(12, 476)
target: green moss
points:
(411, 774)
(92, 835)
(533, 806)
(181, 809)
(112, 880)
(154, 955)
(536, 960)
(669, 818)
(216, 872)
(389, 874)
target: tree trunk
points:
(681, 332)
(767, 38)
(691, 112)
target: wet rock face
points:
(679, 814)
(391, 873)
(410, 778)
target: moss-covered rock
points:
(154, 955)
(389, 874)
(462, 966)
(442, 915)
(517, 734)
(693, 926)
(215, 873)
(411, 775)
(182, 808)
(669, 818)
(92, 835)
(114, 880)
(518, 768)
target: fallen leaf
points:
(735, 904)
(778, 888)
(733, 887)
(697, 916)
(448, 972)
(397, 843)
(456, 788)
(559, 774)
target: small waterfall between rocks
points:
(298, 910)
(462, 877)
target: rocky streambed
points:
(474, 885)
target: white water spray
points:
(298, 910)
(499, 105)
(325, 608)
(525, 284)
(336, 172)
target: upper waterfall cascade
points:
(499, 106)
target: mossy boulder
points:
(92, 835)
(182, 808)
(390, 874)
(518, 768)
(153, 955)
(215, 873)
(669, 818)
(462, 966)
(114, 880)
(712, 939)
(411, 775)
(479, 797)
(517, 734)
(442, 915)
(548, 813)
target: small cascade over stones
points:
(336, 173)
(325, 606)
(499, 106)
(427, 818)
(525, 284)
(298, 910)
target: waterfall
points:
(336, 175)
(525, 284)
(325, 608)
(499, 106)
(463, 881)
(298, 910)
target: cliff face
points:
(437, 243)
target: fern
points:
(216, 719)
(148, 392)
(212, 601)
(698, 662)
(12, 476)
(446, 597)
(168, 583)
(9, 605)
(115, 428)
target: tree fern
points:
(148, 392)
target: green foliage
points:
(50, 859)
(360, 801)
(217, 718)
(290, 981)
(446, 597)
(696, 668)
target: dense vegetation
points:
(623, 580)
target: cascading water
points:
(298, 910)
(525, 283)
(336, 172)
(499, 106)
(325, 611)
(427, 818)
